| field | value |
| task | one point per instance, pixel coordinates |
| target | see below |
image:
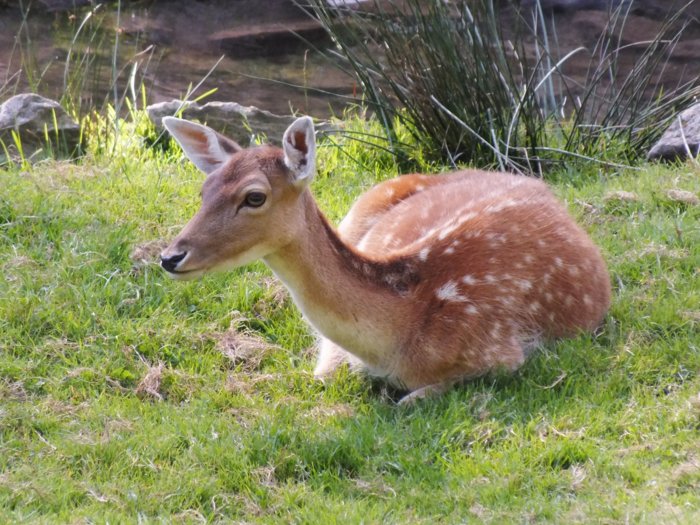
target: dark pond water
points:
(170, 47)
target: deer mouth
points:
(184, 275)
(172, 264)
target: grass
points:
(127, 397)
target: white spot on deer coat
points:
(456, 223)
(469, 279)
(500, 206)
(362, 245)
(450, 292)
(523, 284)
(506, 300)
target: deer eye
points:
(255, 199)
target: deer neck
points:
(356, 302)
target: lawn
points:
(127, 397)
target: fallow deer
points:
(429, 280)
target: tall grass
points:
(479, 84)
(91, 67)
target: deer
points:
(429, 281)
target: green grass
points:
(600, 429)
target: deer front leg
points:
(330, 357)
(426, 391)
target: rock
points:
(621, 196)
(229, 118)
(34, 117)
(270, 39)
(684, 196)
(683, 135)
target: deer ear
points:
(207, 149)
(299, 145)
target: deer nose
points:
(169, 263)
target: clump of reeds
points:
(475, 86)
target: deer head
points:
(252, 201)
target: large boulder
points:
(681, 138)
(35, 119)
(269, 39)
(240, 123)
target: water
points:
(172, 45)
(169, 47)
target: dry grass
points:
(248, 383)
(149, 386)
(661, 250)
(148, 252)
(686, 197)
(13, 390)
(323, 412)
(243, 347)
(621, 196)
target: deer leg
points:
(511, 357)
(427, 391)
(330, 357)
